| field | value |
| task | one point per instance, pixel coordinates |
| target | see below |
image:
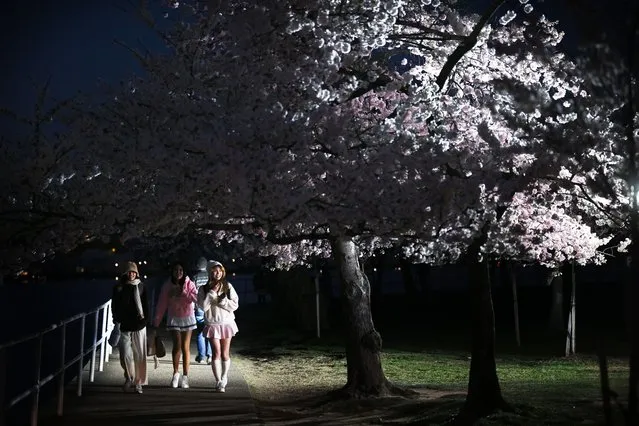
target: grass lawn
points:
(288, 377)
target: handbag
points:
(155, 345)
(114, 337)
(160, 350)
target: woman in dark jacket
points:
(130, 309)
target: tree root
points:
(470, 414)
(352, 391)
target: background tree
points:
(41, 209)
(604, 165)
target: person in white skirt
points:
(130, 312)
(177, 298)
(218, 299)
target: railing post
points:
(63, 362)
(103, 337)
(3, 383)
(34, 391)
(81, 360)
(94, 346)
(36, 396)
(109, 328)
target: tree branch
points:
(468, 43)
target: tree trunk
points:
(484, 392)
(556, 318)
(605, 383)
(633, 315)
(423, 273)
(363, 343)
(571, 336)
(513, 281)
(410, 286)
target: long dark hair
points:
(182, 280)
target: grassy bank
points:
(289, 376)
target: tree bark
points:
(513, 282)
(484, 392)
(363, 343)
(410, 286)
(423, 273)
(571, 336)
(633, 315)
(556, 318)
(605, 383)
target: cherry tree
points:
(603, 162)
(276, 120)
(41, 209)
(599, 145)
(509, 160)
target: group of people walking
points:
(206, 304)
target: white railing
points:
(100, 338)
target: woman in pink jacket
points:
(177, 299)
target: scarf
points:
(136, 297)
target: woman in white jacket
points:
(218, 299)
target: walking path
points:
(105, 403)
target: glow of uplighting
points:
(116, 278)
(113, 250)
(233, 273)
(232, 260)
(117, 264)
(145, 277)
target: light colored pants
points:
(132, 347)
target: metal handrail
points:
(101, 340)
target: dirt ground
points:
(287, 394)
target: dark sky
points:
(70, 41)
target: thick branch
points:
(381, 81)
(440, 35)
(468, 43)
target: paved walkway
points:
(105, 403)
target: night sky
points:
(70, 41)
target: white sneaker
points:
(185, 382)
(175, 380)
(208, 360)
(138, 388)
(224, 381)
